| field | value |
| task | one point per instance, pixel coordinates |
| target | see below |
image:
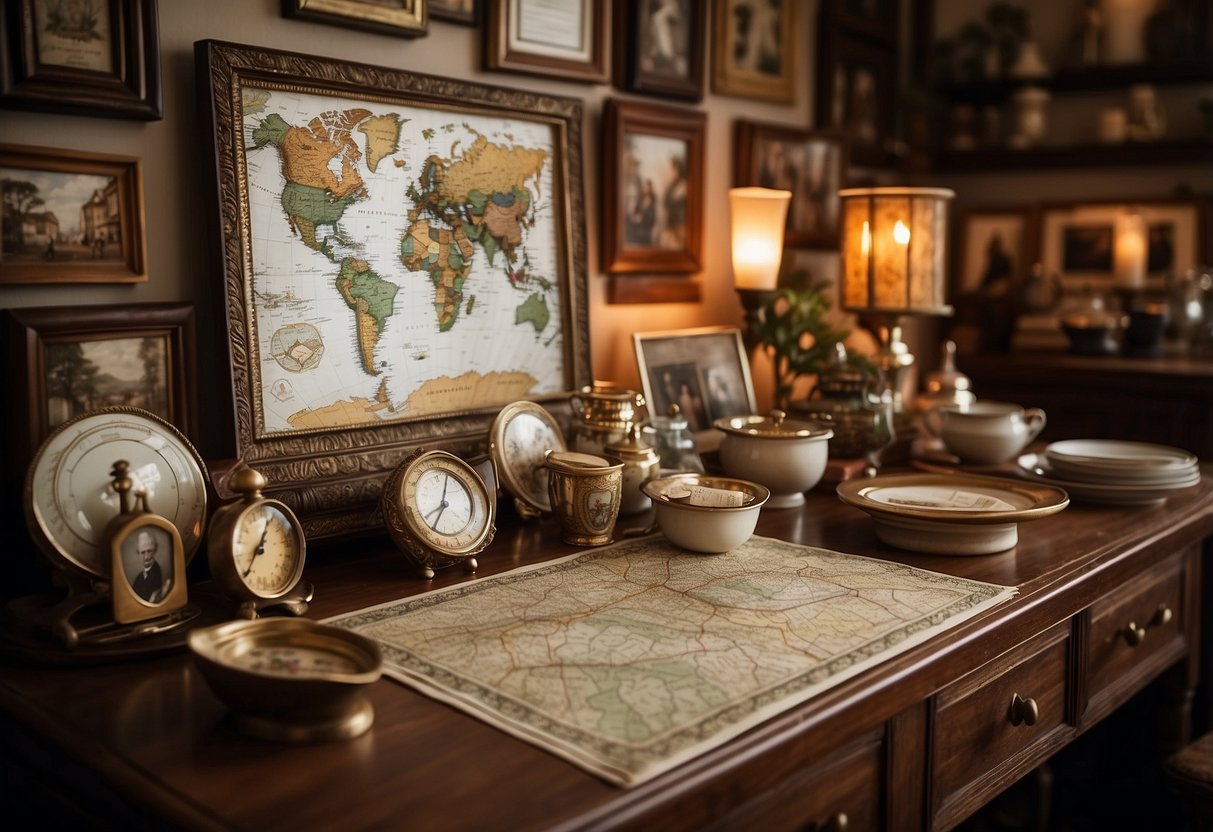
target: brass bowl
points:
(290, 678)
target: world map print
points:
(405, 261)
(632, 658)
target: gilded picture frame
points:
(82, 62)
(70, 217)
(754, 49)
(569, 40)
(389, 310)
(402, 18)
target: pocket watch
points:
(68, 499)
(256, 549)
(438, 511)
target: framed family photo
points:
(403, 18)
(652, 188)
(70, 217)
(993, 252)
(397, 299)
(1078, 240)
(705, 371)
(66, 361)
(754, 45)
(569, 40)
(661, 46)
(811, 164)
(97, 58)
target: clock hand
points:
(260, 550)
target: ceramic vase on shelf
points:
(1031, 117)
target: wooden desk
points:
(920, 741)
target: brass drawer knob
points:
(837, 822)
(1023, 710)
(1135, 634)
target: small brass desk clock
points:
(256, 550)
(438, 511)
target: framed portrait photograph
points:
(403, 18)
(856, 94)
(993, 256)
(660, 47)
(705, 371)
(466, 12)
(147, 566)
(652, 188)
(70, 217)
(811, 164)
(64, 361)
(570, 40)
(754, 49)
(401, 256)
(96, 58)
(1078, 241)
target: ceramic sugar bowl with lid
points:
(787, 456)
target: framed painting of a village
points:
(65, 361)
(70, 217)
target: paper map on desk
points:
(633, 658)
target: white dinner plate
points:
(950, 514)
(1135, 475)
(1037, 468)
(1119, 454)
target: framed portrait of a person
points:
(811, 164)
(660, 47)
(652, 188)
(993, 255)
(147, 564)
(754, 46)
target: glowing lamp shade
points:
(894, 248)
(757, 216)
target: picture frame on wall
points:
(652, 188)
(402, 18)
(661, 46)
(1077, 241)
(394, 306)
(569, 40)
(64, 361)
(754, 46)
(812, 164)
(994, 252)
(96, 59)
(466, 12)
(856, 95)
(704, 370)
(70, 217)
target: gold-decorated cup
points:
(585, 490)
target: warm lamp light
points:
(1129, 253)
(894, 251)
(757, 218)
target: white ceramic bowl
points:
(787, 456)
(702, 528)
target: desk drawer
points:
(842, 791)
(998, 722)
(1134, 633)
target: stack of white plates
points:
(1114, 471)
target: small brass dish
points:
(290, 679)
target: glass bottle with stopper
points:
(674, 441)
(256, 550)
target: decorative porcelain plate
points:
(950, 514)
(1037, 468)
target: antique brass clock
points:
(438, 511)
(256, 549)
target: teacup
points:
(984, 432)
(585, 490)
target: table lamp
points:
(757, 219)
(894, 248)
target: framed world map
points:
(402, 255)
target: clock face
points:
(522, 433)
(69, 500)
(267, 549)
(446, 504)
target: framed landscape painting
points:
(400, 257)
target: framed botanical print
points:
(70, 217)
(404, 18)
(754, 46)
(652, 188)
(394, 283)
(811, 164)
(94, 58)
(570, 39)
(660, 47)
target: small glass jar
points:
(674, 442)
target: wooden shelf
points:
(1178, 151)
(1110, 77)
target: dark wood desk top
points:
(157, 737)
